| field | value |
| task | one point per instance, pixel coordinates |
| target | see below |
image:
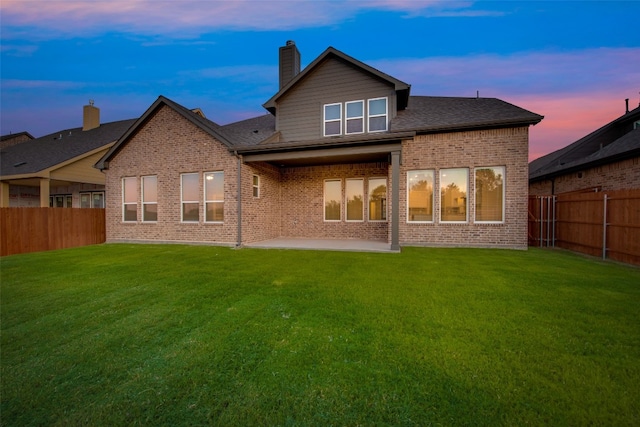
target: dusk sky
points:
(573, 62)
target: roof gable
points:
(194, 116)
(402, 89)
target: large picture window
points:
(354, 193)
(453, 194)
(420, 195)
(378, 115)
(332, 119)
(489, 194)
(377, 199)
(214, 196)
(190, 200)
(355, 117)
(149, 198)
(130, 199)
(332, 200)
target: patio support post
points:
(395, 200)
(44, 192)
(239, 200)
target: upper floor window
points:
(378, 115)
(354, 117)
(374, 112)
(332, 119)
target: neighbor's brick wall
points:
(620, 175)
(167, 146)
(495, 147)
(303, 202)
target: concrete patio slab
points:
(352, 245)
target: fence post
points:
(553, 235)
(604, 228)
(540, 199)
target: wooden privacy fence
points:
(40, 229)
(604, 224)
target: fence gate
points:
(542, 221)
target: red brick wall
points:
(303, 202)
(496, 147)
(620, 175)
(291, 202)
(167, 146)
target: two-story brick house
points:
(343, 152)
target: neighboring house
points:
(57, 169)
(344, 152)
(606, 159)
(14, 138)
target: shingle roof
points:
(250, 131)
(608, 143)
(439, 114)
(50, 150)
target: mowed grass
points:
(194, 335)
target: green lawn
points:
(193, 335)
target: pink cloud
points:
(190, 17)
(577, 91)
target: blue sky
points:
(574, 62)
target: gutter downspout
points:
(239, 199)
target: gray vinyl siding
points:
(300, 112)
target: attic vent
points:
(19, 164)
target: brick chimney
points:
(90, 117)
(289, 62)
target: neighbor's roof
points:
(606, 144)
(400, 87)
(43, 153)
(15, 135)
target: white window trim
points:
(433, 195)
(347, 118)
(325, 121)
(466, 221)
(182, 201)
(504, 193)
(386, 115)
(91, 194)
(124, 204)
(346, 206)
(324, 200)
(204, 196)
(142, 197)
(255, 188)
(386, 207)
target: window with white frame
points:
(489, 197)
(333, 119)
(214, 196)
(354, 117)
(377, 199)
(377, 115)
(130, 199)
(256, 186)
(453, 195)
(420, 195)
(354, 194)
(149, 198)
(189, 197)
(332, 200)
